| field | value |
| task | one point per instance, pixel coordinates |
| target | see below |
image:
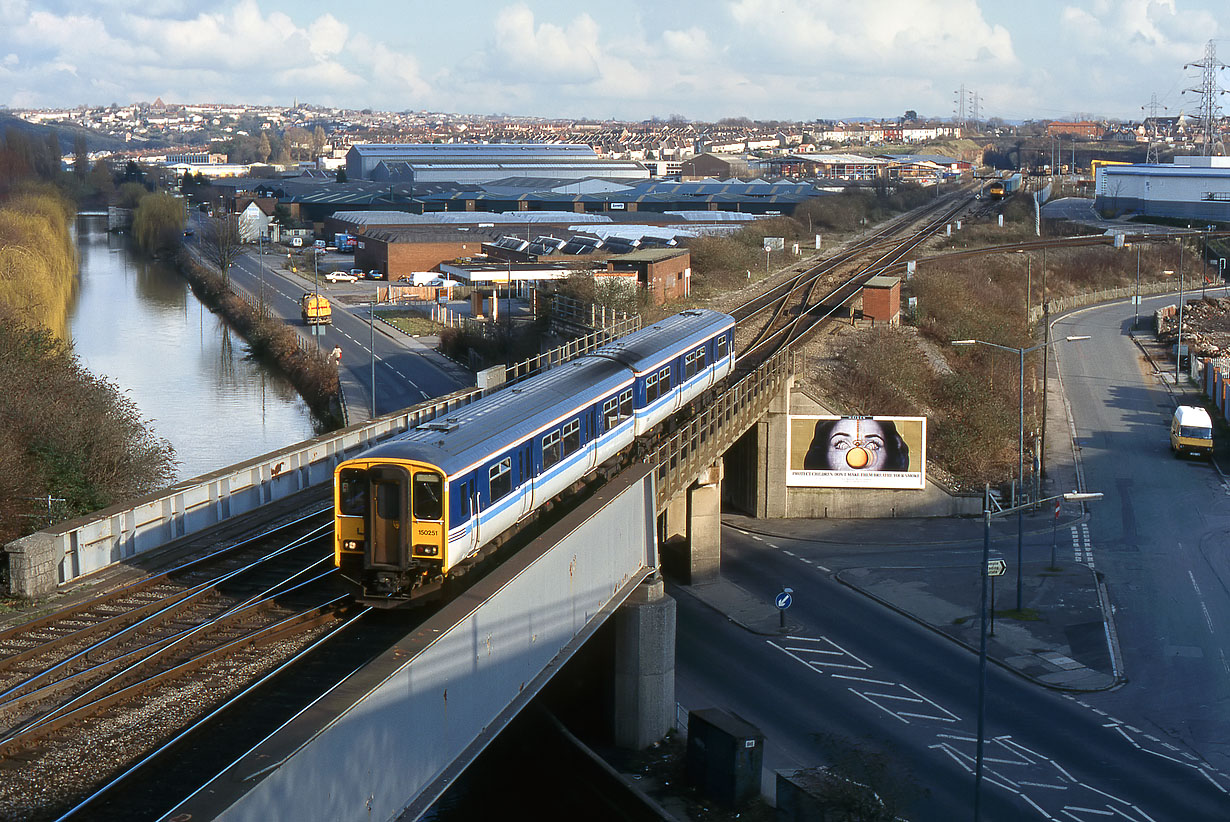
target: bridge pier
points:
(773, 460)
(690, 529)
(644, 666)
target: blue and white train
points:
(412, 510)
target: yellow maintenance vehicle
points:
(316, 309)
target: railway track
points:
(796, 306)
(86, 692)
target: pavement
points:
(1063, 638)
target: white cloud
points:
(785, 59)
(885, 36)
(691, 44)
(546, 52)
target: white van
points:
(1191, 431)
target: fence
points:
(573, 348)
(69, 550)
(1216, 383)
(695, 446)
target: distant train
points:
(412, 511)
(1003, 188)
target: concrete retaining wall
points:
(1062, 304)
(41, 562)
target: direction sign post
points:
(783, 601)
(995, 568)
(1054, 535)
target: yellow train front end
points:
(390, 528)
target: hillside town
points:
(319, 136)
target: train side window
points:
(427, 500)
(721, 347)
(501, 478)
(651, 388)
(388, 500)
(693, 363)
(625, 404)
(610, 413)
(550, 449)
(664, 380)
(353, 493)
(462, 503)
(572, 437)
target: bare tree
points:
(221, 242)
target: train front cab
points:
(390, 528)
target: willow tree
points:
(158, 222)
(38, 262)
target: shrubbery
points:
(271, 339)
(970, 398)
(68, 435)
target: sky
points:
(795, 60)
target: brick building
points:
(665, 273)
(397, 251)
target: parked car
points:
(375, 274)
(358, 273)
(340, 276)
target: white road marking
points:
(1208, 620)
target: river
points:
(137, 323)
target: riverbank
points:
(271, 341)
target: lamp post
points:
(987, 516)
(371, 326)
(1136, 299)
(1178, 352)
(1017, 506)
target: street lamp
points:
(1178, 352)
(987, 516)
(1020, 477)
(371, 327)
(1136, 298)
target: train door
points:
(388, 495)
(526, 458)
(592, 422)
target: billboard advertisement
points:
(856, 452)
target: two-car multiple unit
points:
(412, 509)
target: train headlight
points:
(352, 545)
(426, 550)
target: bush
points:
(272, 341)
(67, 434)
(723, 263)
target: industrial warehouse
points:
(1193, 188)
